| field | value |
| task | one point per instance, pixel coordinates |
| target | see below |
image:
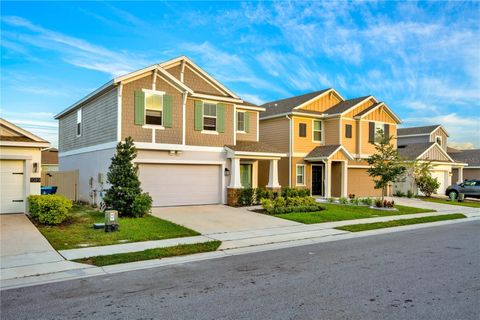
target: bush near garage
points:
(281, 205)
(49, 209)
(254, 196)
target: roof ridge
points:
(268, 104)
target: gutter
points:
(290, 147)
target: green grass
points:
(465, 203)
(150, 254)
(399, 223)
(78, 232)
(337, 212)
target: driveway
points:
(439, 207)
(211, 219)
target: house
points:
(49, 159)
(427, 143)
(20, 163)
(327, 139)
(197, 141)
(471, 158)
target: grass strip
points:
(464, 203)
(399, 223)
(150, 254)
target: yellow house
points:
(327, 140)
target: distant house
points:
(50, 160)
(471, 158)
(428, 143)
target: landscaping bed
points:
(151, 254)
(464, 203)
(399, 223)
(77, 231)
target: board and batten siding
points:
(323, 103)
(439, 132)
(99, 123)
(435, 154)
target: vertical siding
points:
(440, 132)
(332, 133)
(323, 103)
(435, 154)
(99, 123)
(380, 115)
(360, 108)
(251, 135)
(275, 133)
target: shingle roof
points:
(247, 146)
(416, 130)
(413, 150)
(322, 151)
(344, 105)
(472, 157)
(246, 103)
(287, 105)
(373, 106)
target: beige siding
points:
(303, 144)
(323, 103)
(339, 155)
(380, 115)
(468, 173)
(359, 108)
(331, 134)
(369, 148)
(440, 132)
(251, 135)
(336, 176)
(361, 184)
(144, 134)
(7, 132)
(263, 172)
(275, 133)
(99, 123)
(198, 138)
(308, 180)
(350, 143)
(436, 154)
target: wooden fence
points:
(65, 181)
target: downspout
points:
(290, 147)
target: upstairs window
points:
(241, 121)
(438, 139)
(209, 117)
(379, 132)
(317, 130)
(79, 122)
(302, 130)
(153, 108)
(348, 131)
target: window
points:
(241, 121)
(210, 117)
(379, 134)
(438, 139)
(301, 174)
(302, 130)
(79, 122)
(153, 108)
(348, 131)
(317, 130)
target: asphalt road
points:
(431, 273)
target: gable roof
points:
(415, 151)
(325, 152)
(288, 104)
(412, 131)
(252, 146)
(346, 105)
(471, 157)
(21, 137)
(373, 107)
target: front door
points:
(246, 175)
(317, 180)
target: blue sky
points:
(421, 58)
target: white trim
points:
(236, 121)
(176, 147)
(319, 96)
(15, 157)
(209, 132)
(441, 150)
(154, 92)
(412, 135)
(184, 117)
(154, 79)
(234, 124)
(163, 161)
(356, 105)
(340, 148)
(304, 183)
(79, 122)
(24, 144)
(299, 154)
(215, 98)
(243, 107)
(441, 140)
(119, 111)
(301, 114)
(442, 128)
(22, 131)
(153, 126)
(107, 145)
(392, 114)
(321, 131)
(233, 153)
(472, 167)
(290, 150)
(355, 166)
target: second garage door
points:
(181, 184)
(12, 197)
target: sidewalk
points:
(232, 243)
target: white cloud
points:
(253, 98)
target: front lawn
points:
(151, 254)
(399, 223)
(465, 203)
(78, 232)
(337, 212)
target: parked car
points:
(470, 188)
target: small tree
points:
(415, 170)
(385, 164)
(125, 194)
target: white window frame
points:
(155, 92)
(241, 131)
(441, 140)
(382, 124)
(213, 117)
(79, 123)
(303, 183)
(313, 131)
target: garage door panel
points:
(171, 185)
(12, 182)
(442, 177)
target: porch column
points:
(273, 175)
(460, 175)
(328, 179)
(344, 192)
(235, 174)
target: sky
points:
(421, 58)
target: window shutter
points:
(247, 121)
(198, 115)
(221, 118)
(139, 105)
(386, 130)
(348, 130)
(302, 130)
(371, 132)
(167, 111)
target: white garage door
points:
(12, 198)
(442, 177)
(178, 184)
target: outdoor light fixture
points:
(227, 172)
(35, 167)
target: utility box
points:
(111, 220)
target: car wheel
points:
(454, 193)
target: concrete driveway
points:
(211, 219)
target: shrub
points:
(378, 203)
(331, 200)
(261, 194)
(343, 200)
(268, 205)
(427, 185)
(141, 205)
(367, 201)
(279, 202)
(384, 204)
(410, 194)
(355, 201)
(283, 210)
(300, 201)
(288, 192)
(49, 209)
(246, 197)
(399, 193)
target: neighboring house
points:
(20, 163)
(427, 143)
(471, 158)
(49, 160)
(197, 141)
(327, 140)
